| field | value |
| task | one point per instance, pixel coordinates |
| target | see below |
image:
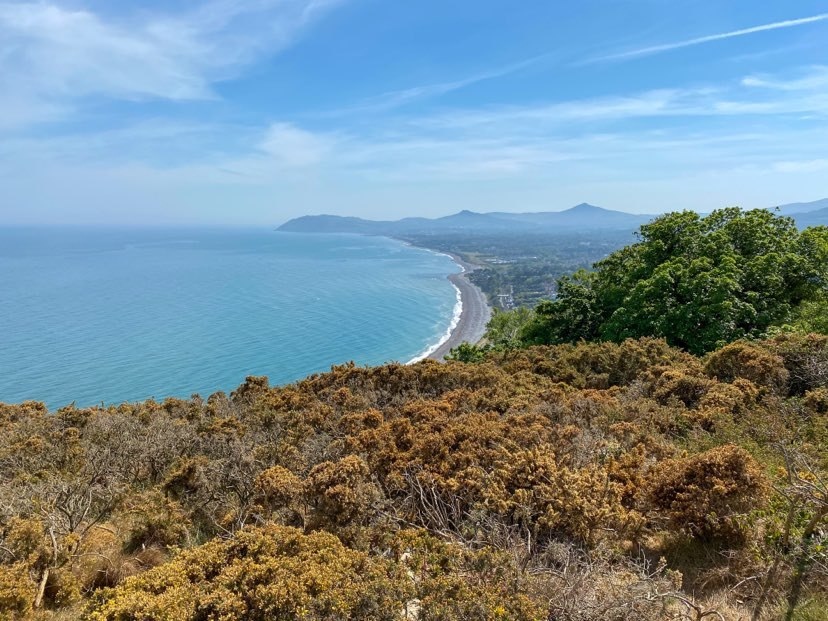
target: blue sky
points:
(254, 111)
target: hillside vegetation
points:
(698, 282)
(597, 481)
(678, 474)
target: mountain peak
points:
(583, 217)
(584, 207)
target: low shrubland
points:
(571, 482)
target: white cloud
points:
(18, 110)
(806, 95)
(57, 52)
(804, 166)
(51, 55)
(486, 143)
(590, 143)
(597, 133)
(291, 146)
(814, 79)
(395, 99)
(666, 47)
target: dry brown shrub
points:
(817, 400)
(186, 477)
(279, 487)
(17, 591)
(260, 575)
(533, 491)
(602, 587)
(14, 413)
(707, 495)
(736, 398)
(805, 357)
(464, 450)
(751, 362)
(678, 384)
(586, 406)
(453, 582)
(341, 492)
(599, 365)
(152, 520)
(628, 470)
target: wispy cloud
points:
(52, 55)
(486, 143)
(666, 47)
(760, 127)
(763, 127)
(289, 145)
(806, 94)
(399, 98)
(802, 166)
(815, 78)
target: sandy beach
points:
(475, 314)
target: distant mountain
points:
(811, 218)
(332, 224)
(814, 213)
(583, 217)
(793, 209)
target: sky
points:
(250, 112)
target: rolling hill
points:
(795, 209)
(583, 217)
(818, 217)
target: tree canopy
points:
(697, 281)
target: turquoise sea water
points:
(95, 315)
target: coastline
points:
(474, 313)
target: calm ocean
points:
(97, 315)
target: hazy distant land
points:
(583, 217)
(520, 255)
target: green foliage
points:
(466, 352)
(699, 282)
(812, 316)
(505, 329)
(572, 317)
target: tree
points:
(699, 282)
(812, 316)
(572, 317)
(466, 352)
(505, 329)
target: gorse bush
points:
(707, 495)
(546, 483)
(262, 575)
(749, 362)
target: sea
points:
(104, 316)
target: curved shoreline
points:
(474, 314)
(455, 320)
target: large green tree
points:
(698, 282)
